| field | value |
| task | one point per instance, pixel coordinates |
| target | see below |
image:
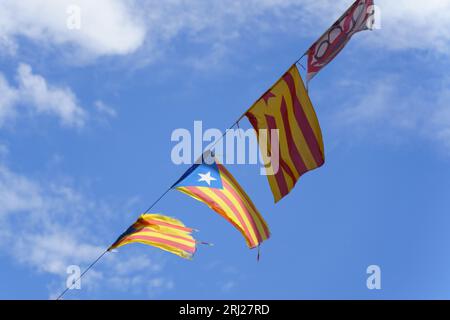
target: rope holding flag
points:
(82, 275)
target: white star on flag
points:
(206, 178)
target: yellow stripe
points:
(254, 215)
(160, 228)
(249, 203)
(168, 230)
(281, 90)
(187, 192)
(257, 112)
(162, 218)
(241, 212)
(154, 244)
(146, 233)
(184, 241)
(274, 187)
(283, 148)
(262, 124)
(297, 133)
(230, 213)
(191, 245)
(176, 251)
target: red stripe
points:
(273, 126)
(303, 123)
(247, 214)
(249, 201)
(279, 176)
(237, 214)
(254, 121)
(214, 206)
(284, 166)
(166, 224)
(293, 151)
(163, 241)
(169, 235)
(280, 179)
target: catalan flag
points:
(213, 185)
(159, 231)
(286, 107)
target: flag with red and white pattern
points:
(359, 17)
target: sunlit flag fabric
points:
(286, 107)
(359, 17)
(160, 231)
(213, 185)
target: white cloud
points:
(14, 189)
(405, 24)
(50, 238)
(107, 26)
(410, 24)
(49, 226)
(36, 95)
(161, 283)
(381, 110)
(8, 47)
(54, 251)
(138, 263)
(120, 27)
(49, 99)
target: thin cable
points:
(81, 276)
(146, 211)
(301, 57)
(225, 133)
(158, 200)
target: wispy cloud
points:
(108, 27)
(104, 109)
(44, 226)
(36, 95)
(122, 27)
(408, 25)
(228, 286)
(49, 235)
(391, 109)
(45, 98)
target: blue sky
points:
(86, 118)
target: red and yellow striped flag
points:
(287, 107)
(213, 185)
(159, 231)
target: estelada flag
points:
(214, 185)
(286, 107)
(160, 231)
(359, 17)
